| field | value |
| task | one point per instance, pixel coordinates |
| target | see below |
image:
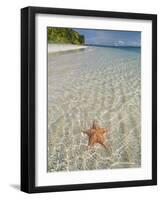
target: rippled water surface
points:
(100, 84)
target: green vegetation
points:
(64, 35)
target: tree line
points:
(64, 35)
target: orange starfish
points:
(96, 134)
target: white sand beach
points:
(53, 48)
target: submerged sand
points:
(100, 84)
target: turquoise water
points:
(96, 83)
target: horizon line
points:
(112, 45)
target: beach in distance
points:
(54, 48)
(87, 83)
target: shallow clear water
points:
(100, 84)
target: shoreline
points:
(54, 48)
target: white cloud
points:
(121, 42)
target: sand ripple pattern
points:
(100, 84)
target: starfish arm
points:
(105, 130)
(102, 131)
(88, 132)
(92, 140)
(103, 145)
(95, 125)
(84, 131)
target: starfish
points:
(96, 134)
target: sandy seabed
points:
(100, 84)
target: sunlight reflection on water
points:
(94, 83)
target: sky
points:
(111, 38)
